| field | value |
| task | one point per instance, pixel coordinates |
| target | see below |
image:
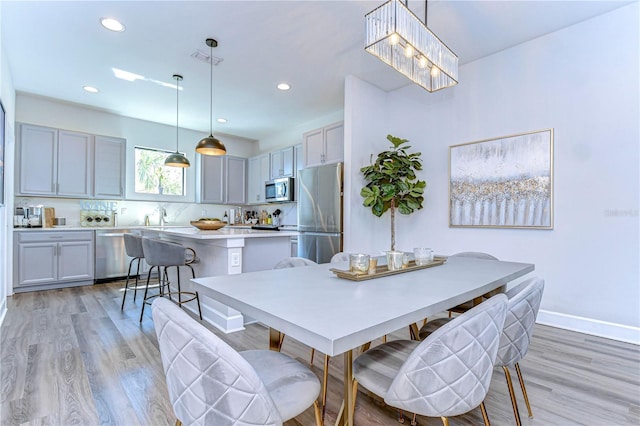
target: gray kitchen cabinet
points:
(109, 167)
(54, 162)
(75, 164)
(258, 174)
(62, 163)
(44, 260)
(324, 145)
(282, 163)
(223, 180)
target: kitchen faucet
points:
(163, 216)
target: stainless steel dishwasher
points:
(111, 257)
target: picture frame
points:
(504, 182)
(2, 152)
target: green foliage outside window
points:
(153, 177)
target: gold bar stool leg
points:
(524, 390)
(514, 402)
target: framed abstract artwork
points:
(506, 182)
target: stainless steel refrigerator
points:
(320, 212)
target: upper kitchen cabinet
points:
(282, 163)
(324, 146)
(109, 167)
(61, 163)
(54, 162)
(259, 173)
(223, 180)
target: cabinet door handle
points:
(56, 237)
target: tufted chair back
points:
(339, 257)
(294, 262)
(522, 310)
(209, 382)
(450, 371)
(475, 255)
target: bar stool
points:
(162, 255)
(133, 247)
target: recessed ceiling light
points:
(112, 24)
(90, 89)
(221, 120)
(284, 86)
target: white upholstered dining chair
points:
(339, 257)
(522, 309)
(447, 374)
(210, 383)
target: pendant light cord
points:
(211, 90)
(426, 6)
(177, 109)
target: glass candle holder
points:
(422, 255)
(359, 263)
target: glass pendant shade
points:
(176, 159)
(211, 145)
(400, 39)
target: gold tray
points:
(383, 271)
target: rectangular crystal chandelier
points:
(396, 36)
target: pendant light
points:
(397, 37)
(176, 159)
(210, 145)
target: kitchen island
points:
(227, 251)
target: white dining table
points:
(335, 315)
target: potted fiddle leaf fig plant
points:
(392, 184)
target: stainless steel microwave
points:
(279, 190)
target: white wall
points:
(583, 81)
(48, 112)
(7, 96)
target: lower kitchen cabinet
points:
(45, 260)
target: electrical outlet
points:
(235, 259)
(123, 210)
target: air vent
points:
(206, 57)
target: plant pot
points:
(394, 260)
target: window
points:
(153, 177)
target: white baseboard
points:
(609, 330)
(3, 310)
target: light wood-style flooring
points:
(71, 357)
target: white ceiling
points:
(55, 48)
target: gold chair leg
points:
(316, 412)
(178, 422)
(313, 352)
(445, 421)
(512, 394)
(355, 393)
(485, 416)
(524, 390)
(325, 379)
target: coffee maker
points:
(28, 217)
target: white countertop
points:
(229, 231)
(226, 232)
